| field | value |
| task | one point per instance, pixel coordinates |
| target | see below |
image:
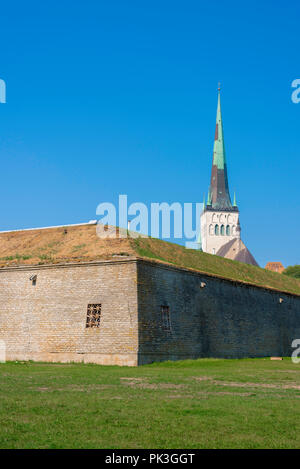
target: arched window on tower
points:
(222, 230)
(211, 229)
(233, 230)
(216, 230)
(227, 230)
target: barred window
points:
(93, 315)
(165, 318)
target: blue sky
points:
(108, 98)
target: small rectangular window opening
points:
(165, 316)
(93, 315)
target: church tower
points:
(220, 232)
(220, 218)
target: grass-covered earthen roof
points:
(81, 244)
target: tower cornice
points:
(210, 208)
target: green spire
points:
(234, 200)
(219, 191)
(208, 198)
(219, 158)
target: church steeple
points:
(220, 226)
(219, 191)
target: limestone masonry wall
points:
(211, 317)
(47, 321)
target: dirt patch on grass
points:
(76, 388)
(88, 387)
(160, 386)
(126, 378)
(206, 394)
(247, 384)
(142, 383)
(283, 371)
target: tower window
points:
(222, 230)
(228, 230)
(165, 318)
(216, 230)
(93, 315)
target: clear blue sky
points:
(119, 97)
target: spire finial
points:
(219, 87)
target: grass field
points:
(253, 403)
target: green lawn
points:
(206, 403)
